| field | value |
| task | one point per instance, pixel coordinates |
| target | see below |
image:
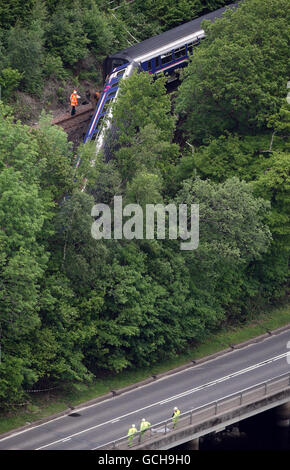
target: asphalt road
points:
(103, 422)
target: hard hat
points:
(133, 425)
(75, 91)
(175, 408)
(143, 419)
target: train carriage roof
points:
(172, 35)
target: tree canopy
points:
(237, 79)
(73, 307)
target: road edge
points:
(148, 380)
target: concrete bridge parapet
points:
(218, 422)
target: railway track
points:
(75, 126)
(70, 123)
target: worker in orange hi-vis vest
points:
(74, 101)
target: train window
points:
(120, 74)
(190, 48)
(114, 85)
(106, 105)
(156, 62)
(179, 52)
(117, 63)
(149, 65)
(165, 58)
(99, 124)
(111, 94)
(190, 45)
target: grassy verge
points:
(50, 403)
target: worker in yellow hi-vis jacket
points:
(144, 426)
(175, 416)
(131, 433)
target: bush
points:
(53, 67)
(9, 81)
(25, 53)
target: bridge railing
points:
(207, 411)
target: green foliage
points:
(171, 13)
(9, 81)
(22, 214)
(274, 185)
(11, 372)
(35, 168)
(149, 150)
(237, 79)
(56, 158)
(131, 23)
(53, 67)
(65, 36)
(25, 53)
(145, 188)
(232, 223)
(280, 122)
(17, 148)
(143, 101)
(232, 235)
(13, 10)
(232, 155)
(97, 28)
(51, 39)
(72, 306)
(234, 89)
(60, 341)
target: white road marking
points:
(222, 379)
(34, 427)
(187, 392)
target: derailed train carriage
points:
(166, 52)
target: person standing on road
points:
(74, 101)
(144, 425)
(175, 416)
(131, 433)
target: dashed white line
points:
(187, 392)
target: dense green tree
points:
(12, 11)
(142, 101)
(57, 159)
(145, 188)
(31, 174)
(65, 35)
(238, 77)
(23, 260)
(133, 24)
(59, 343)
(17, 147)
(72, 306)
(98, 31)
(232, 234)
(173, 13)
(25, 53)
(149, 150)
(230, 215)
(9, 81)
(274, 184)
(231, 155)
